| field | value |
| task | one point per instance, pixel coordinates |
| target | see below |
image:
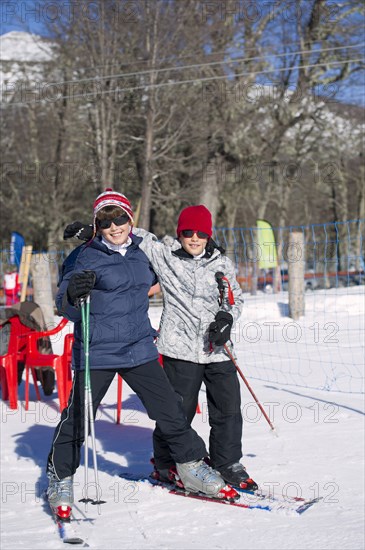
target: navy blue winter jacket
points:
(121, 334)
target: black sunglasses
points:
(190, 233)
(120, 220)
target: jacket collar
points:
(211, 247)
(99, 245)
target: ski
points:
(282, 503)
(248, 499)
(174, 490)
(269, 507)
(200, 496)
(66, 528)
(67, 532)
(299, 504)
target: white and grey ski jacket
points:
(190, 298)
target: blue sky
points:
(33, 16)
(24, 15)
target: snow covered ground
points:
(319, 449)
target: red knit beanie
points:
(197, 218)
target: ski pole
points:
(219, 276)
(88, 408)
(248, 386)
(85, 336)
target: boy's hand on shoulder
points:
(82, 231)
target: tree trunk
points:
(360, 224)
(296, 263)
(151, 51)
(209, 191)
(146, 197)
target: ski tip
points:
(308, 504)
(75, 540)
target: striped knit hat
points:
(112, 198)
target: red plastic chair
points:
(34, 358)
(9, 362)
(67, 360)
(119, 398)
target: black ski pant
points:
(224, 408)
(150, 383)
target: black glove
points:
(80, 285)
(80, 230)
(220, 329)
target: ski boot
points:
(60, 495)
(198, 477)
(237, 476)
(162, 474)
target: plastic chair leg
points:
(67, 378)
(119, 398)
(12, 379)
(35, 382)
(61, 384)
(4, 384)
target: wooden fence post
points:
(42, 288)
(254, 278)
(296, 268)
(24, 270)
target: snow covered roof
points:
(22, 57)
(24, 47)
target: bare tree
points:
(177, 105)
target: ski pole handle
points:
(219, 278)
(223, 285)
